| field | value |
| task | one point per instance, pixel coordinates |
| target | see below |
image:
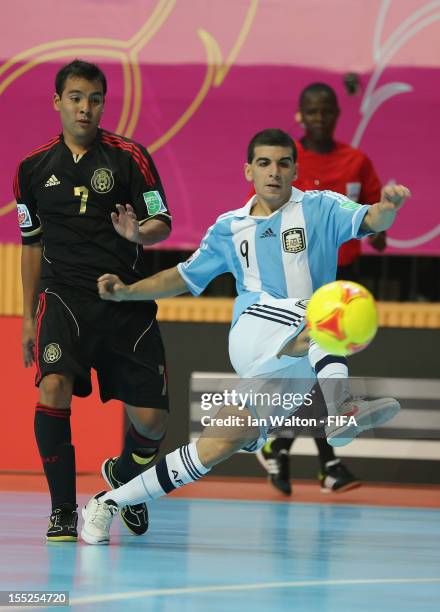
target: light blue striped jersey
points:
(290, 253)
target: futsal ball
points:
(342, 317)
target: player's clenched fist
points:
(394, 196)
(110, 287)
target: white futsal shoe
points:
(367, 414)
(98, 517)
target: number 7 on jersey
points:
(84, 193)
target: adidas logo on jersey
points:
(268, 234)
(52, 181)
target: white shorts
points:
(259, 335)
(254, 345)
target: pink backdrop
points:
(195, 80)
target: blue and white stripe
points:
(259, 259)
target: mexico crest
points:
(102, 180)
(294, 240)
(52, 352)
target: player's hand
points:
(29, 333)
(125, 222)
(110, 287)
(378, 241)
(393, 197)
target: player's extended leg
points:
(141, 447)
(53, 436)
(183, 466)
(274, 456)
(217, 442)
(347, 416)
(332, 374)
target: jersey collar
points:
(96, 141)
(296, 196)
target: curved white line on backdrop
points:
(380, 95)
(390, 52)
(372, 100)
(414, 242)
(406, 24)
(390, 47)
(377, 34)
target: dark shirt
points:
(66, 204)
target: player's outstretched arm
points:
(381, 216)
(167, 283)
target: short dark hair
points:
(272, 138)
(318, 88)
(79, 68)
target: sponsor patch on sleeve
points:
(154, 203)
(24, 216)
(347, 204)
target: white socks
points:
(332, 374)
(178, 468)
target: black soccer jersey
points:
(66, 200)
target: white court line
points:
(78, 601)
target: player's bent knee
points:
(155, 431)
(56, 390)
(148, 422)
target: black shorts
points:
(120, 340)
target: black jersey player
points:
(88, 200)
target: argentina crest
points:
(102, 180)
(294, 240)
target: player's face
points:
(80, 106)
(272, 171)
(319, 114)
